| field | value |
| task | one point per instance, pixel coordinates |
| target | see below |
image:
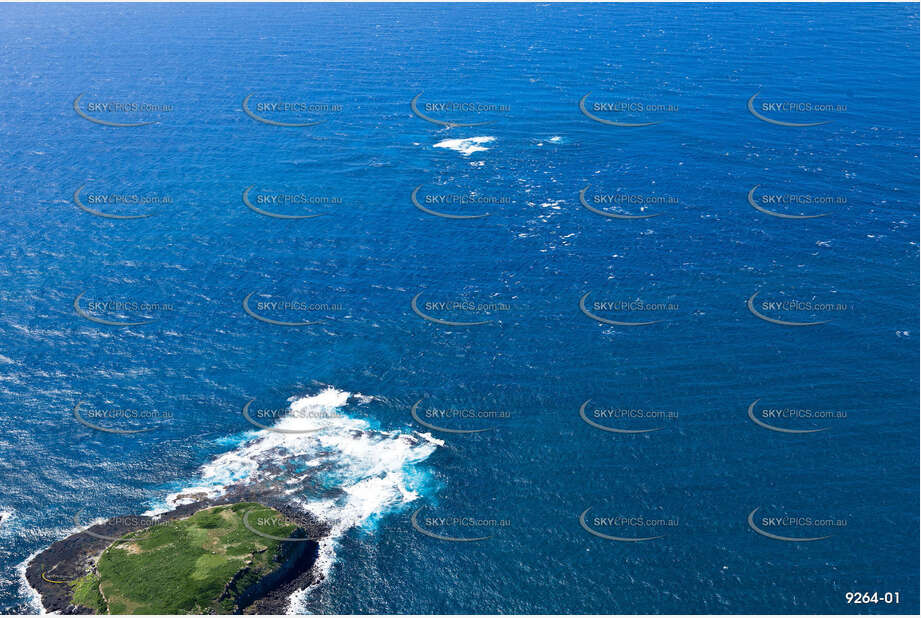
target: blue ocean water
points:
(524, 374)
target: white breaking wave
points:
(467, 145)
(342, 469)
(33, 598)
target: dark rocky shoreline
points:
(75, 556)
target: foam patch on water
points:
(467, 145)
(6, 516)
(342, 469)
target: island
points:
(203, 558)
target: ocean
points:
(627, 293)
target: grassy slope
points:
(86, 593)
(182, 566)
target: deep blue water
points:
(538, 357)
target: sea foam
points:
(342, 469)
(467, 145)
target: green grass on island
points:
(184, 566)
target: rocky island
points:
(204, 558)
